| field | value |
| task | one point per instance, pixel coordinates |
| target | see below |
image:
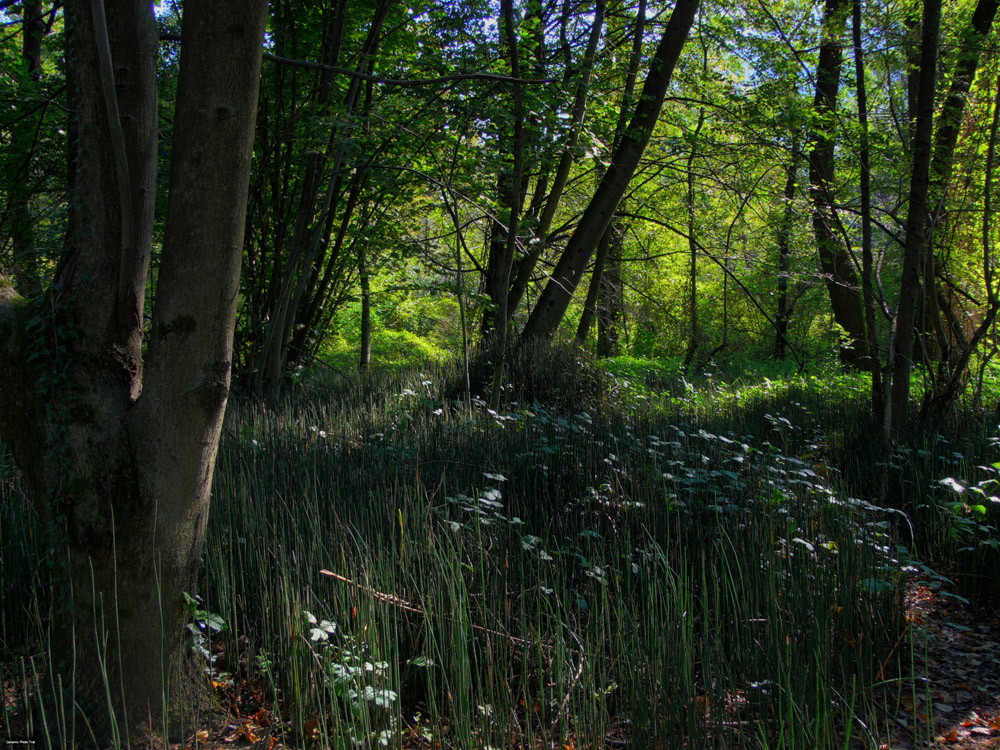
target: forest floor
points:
(955, 698)
(954, 703)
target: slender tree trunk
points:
(526, 266)
(308, 233)
(694, 334)
(366, 308)
(610, 304)
(555, 298)
(946, 390)
(494, 272)
(119, 453)
(783, 315)
(604, 296)
(916, 221)
(867, 270)
(594, 290)
(507, 263)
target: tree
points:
(913, 248)
(835, 261)
(551, 306)
(119, 447)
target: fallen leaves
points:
(954, 698)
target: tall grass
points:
(678, 565)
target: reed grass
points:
(681, 564)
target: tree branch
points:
(291, 62)
(118, 149)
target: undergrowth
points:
(672, 561)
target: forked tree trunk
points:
(526, 266)
(555, 298)
(118, 452)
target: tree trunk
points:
(366, 308)
(916, 221)
(124, 478)
(604, 298)
(527, 264)
(610, 303)
(594, 290)
(935, 339)
(941, 397)
(19, 156)
(835, 261)
(555, 298)
(783, 315)
(694, 334)
(309, 234)
(867, 262)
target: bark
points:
(507, 259)
(933, 334)
(366, 309)
(608, 259)
(527, 265)
(555, 298)
(124, 478)
(946, 390)
(835, 261)
(495, 270)
(594, 290)
(916, 217)
(610, 305)
(694, 335)
(783, 315)
(867, 269)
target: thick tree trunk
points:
(835, 261)
(916, 221)
(555, 298)
(124, 478)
